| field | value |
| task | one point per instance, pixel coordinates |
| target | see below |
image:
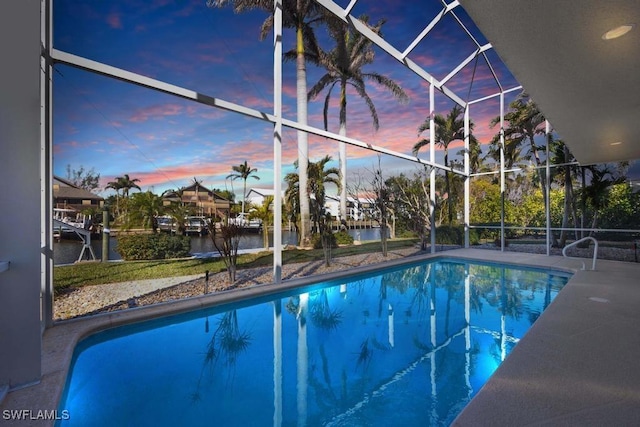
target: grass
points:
(96, 273)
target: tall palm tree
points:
(448, 129)
(300, 15)
(525, 121)
(243, 171)
(344, 65)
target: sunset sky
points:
(117, 128)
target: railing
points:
(595, 250)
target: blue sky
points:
(117, 128)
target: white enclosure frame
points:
(52, 56)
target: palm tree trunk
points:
(303, 141)
(343, 151)
(244, 195)
(447, 184)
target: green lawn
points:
(96, 273)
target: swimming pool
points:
(408, 346)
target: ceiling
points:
(588, 88)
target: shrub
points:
(449, 235)
(343, 238)
(153, 246)
(316, 241)
(454, 235)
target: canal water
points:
(67, 251)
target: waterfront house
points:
(67, 195)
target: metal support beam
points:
(363, 29)
(466, 62)
(428, 28)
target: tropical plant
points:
(243, 171)
(524, 121)
(448, 129)
(596, 194)
(126, 184)
(178, 213)
(564, 176)
(318, 177)
(145, 206)
(123, 184)
(344, 65)
(300, 15)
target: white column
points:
(502, 177)
(23, 211)
(432, 159)
(46, 165)
(277, 142)
(547, 183)
(467, 216)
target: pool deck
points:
(577, 365)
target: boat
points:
(248, 224)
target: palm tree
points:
(146, 206)
(127, 184)
(525, 121)
(318, 177)
(344, 65)
(300, 15)
(448, 129)
(124, 184)
(115, 185)
(243, 171)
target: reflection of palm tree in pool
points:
(364, 355)
(321, 314)
(326, 398)
(226, 344)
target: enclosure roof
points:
(587, 87)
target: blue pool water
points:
(408, 346)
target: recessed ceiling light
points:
(616, 143)
(618, 32)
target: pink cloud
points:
(114, 20)
(155, 111)
(211, 59)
